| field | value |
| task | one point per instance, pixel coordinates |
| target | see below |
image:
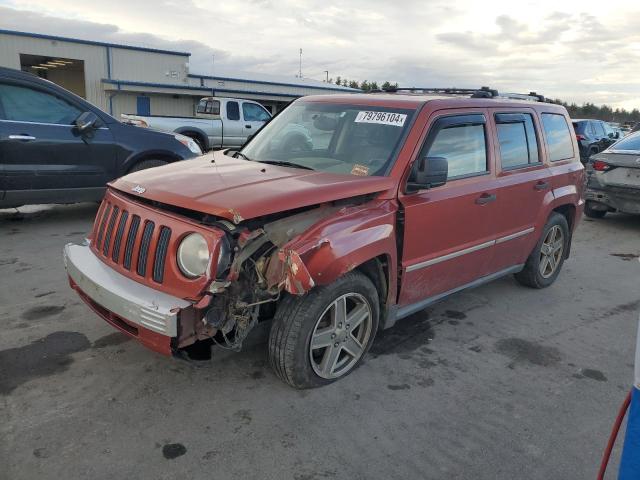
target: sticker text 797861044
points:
(385, 118)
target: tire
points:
(532, 275)
(298, 320)
(198, 139)
(591, 213)
(144, 164)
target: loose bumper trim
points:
(135, 303)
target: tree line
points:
(586, 110)
(602, 112)
(365, 85)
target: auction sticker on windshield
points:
(384, 118)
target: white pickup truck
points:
(219, 122)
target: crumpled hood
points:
(238, 189)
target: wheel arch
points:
(192, 132)
(568, 211)
(164, 155)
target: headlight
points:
(193, 255)
(189, 143)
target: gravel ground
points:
(500, 382)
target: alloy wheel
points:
(551, 251)
(340, 336)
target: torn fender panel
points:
(287, 270)
(336, 245)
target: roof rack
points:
(482, 92)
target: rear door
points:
(41, 151)
(232, 127)
(254, 117)
(448, 234)
(523, 185)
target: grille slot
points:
(144, 248)
(107, 237)
(105, 216)
(131, 238)
(119, 232)
(161, 254)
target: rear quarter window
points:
(558, 136)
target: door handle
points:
(247, 126)
(23, 137)
(486, 198)
(541, 185)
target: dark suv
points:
(56, 147)
(593, 136)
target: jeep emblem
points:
(138, 189)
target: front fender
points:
(347, 239)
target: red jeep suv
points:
(342, 215)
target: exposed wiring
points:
(613, 436)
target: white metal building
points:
(128, 79)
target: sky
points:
(576, 50)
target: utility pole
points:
(300, 71)
(213, 73)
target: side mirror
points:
(428, 172)
(86, 121)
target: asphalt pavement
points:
(500, 382)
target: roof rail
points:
(482, 92)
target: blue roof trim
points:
(266, 82)
(91, 42)
(119, 83)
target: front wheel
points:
(144, 164)
(321, 337)
(544, 263)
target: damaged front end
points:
(262, 265)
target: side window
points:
(209, 106)
(213, 107)
(24, 104)
(599, 129)
(591, 129)
(233, 111)
(202, 106)
(517, 138)
(559, 141)
(608, 131)
(463, 145)
(254, 113)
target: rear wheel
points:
(323, 336)
(144, 164)
(590, 212)
(544, 263)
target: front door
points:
(232, 129)
(448, 235)
(43, 156)
(254, 117)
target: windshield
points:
(346, 139)
(632, 142)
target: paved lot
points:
(501, 382)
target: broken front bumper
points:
(137, 310)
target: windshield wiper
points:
(240, 154)
(282, 163)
